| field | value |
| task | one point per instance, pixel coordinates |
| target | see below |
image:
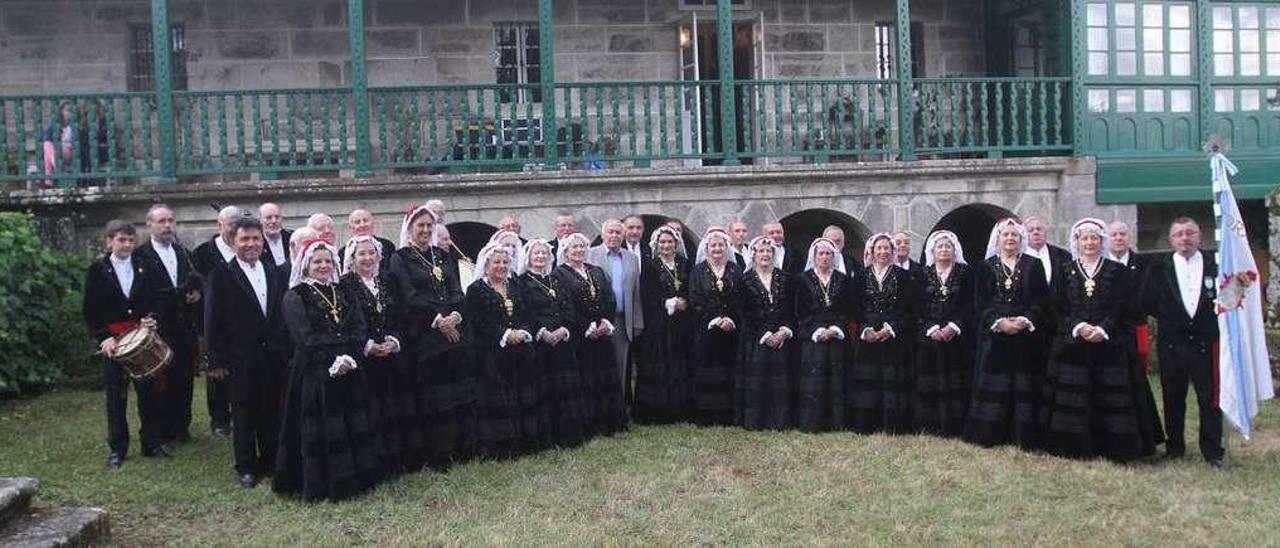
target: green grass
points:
(667, 485)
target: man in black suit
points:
(360, 221)
(117, 298)
(247, 346)
(212, 255)
(785, 259)
(740, 233)
(177, 294)
(565, 225)
(902, 257)
(1120, 251)
(275, 245)
(633, 239)
(1180, 293)
(836, 235)
(1052, 258)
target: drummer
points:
(118, 297)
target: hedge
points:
(42, 335)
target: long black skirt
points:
(820, 386)
(715, 356)
(446, 383)
(663, 380)
(507, 417)
(565, 412)
(328, 447)
(1092, 405)
(602, 384)
(943, 374)
(762, 398)
(1006, 393)
(394, 411)
(878, 388)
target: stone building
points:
(1057, 108)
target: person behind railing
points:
(58, 141)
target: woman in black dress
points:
(663, 390)
(564, 413)
(714, 286)
(944, 341)
(391, 396)
(436, 341)
(328, 446)
(762, 398)
(878, 386)
(822, 305)
(1095, 400)
(1011, 297)
(591, 331)
(508, 383)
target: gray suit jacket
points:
(630, 285)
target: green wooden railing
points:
(488, 127)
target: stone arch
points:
(471, 236)
(803, 226)
(972, 223)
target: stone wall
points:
(57, 46)
(878, 197)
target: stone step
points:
(15, 497)
(56, 527)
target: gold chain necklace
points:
(586, 277)
(671, 270)
(332, 303)
(1089, 283)
(507, 304)
(719, 277)
(550, 290)
(1009, 273)
(825, 288)
(436, 271)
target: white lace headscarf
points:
(664, 229)
(705, 244)
(993, 242)
(563, 246)
(297, 275)
(349, 253)
(1087, 225)
(868, 249)
(751, 248)
(526, 264)
(517, 251)
(837, 261)
(414, 212)
(938, 236)
(482, 259)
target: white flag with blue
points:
(1244, 370)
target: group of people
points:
(333, 368)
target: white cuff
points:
(892, 335)
(863, 335)
(435, 324)
(786, 330)
(590, 328)
(671, 305)
(395, 343)
(338, 362)
(954, 327)
(1075, 331)
(543, 333)
(567, 334)
(1031, 328)
(765, 337)
(503, 343)
(840, 332)
(608, 327)
(368, 346)
(816, 332)
(932, 329)
(995, 326)
(712, 324)
(1105, 337)
(456, 316)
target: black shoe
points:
(115, 461)
(221, 432)
(1218, 463)
(248, 481)
(159, 452)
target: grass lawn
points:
(667, 485)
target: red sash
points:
(120, 328)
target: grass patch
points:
(666, 485)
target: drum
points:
(141, 352)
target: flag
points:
(1244, 369)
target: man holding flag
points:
(1244, 370)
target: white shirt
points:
(779, 254)
(1122, 259)
(1190, 274)
(371, 284)
(905, 264)
(258, 279)
(124, 273)
(225, 249)
(635, 248)
(1043, 255)
(277, 250)
(169, 258)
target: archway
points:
(972, 223)
(802, 227)
(471, 236)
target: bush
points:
(38, 331)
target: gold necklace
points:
(507, 304)
(550, 290)
(719, 277)
(825, 288)
(436, 271)
(942, 284)
(332, 303)
(1009, 273)
(1089, 283)
(586, 276)
(671, 270)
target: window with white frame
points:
(516, 59)
(886, 49)
(1130, 38)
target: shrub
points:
(37, 288)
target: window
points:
(1150, 38)
(886, 48)
(141, 58)
(1134, 100)
(516, 59)
(1028, 49)
(1246, 40)
(711, 4)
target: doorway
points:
(700, 61)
